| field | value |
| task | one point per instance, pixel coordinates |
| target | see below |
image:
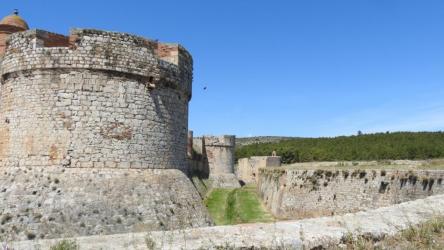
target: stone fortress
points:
(93, 134)
(212, 157)
(94, 140)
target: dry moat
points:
(95, 150)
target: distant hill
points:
(380, 146)
(244, 141)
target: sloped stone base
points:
(224, 181)
(57, 202)
(316, 233)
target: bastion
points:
(213, 159)
(220, 153)
(93, 134)
(293, 193)
(247, 168)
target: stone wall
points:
(50, 202)
(197, 161)
(213, 159)
(316, 233)
(108, 100)
(219, 152)
(293, 193)
(93, 136)
(247, 168)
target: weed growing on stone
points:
(428, 235)
(149, 242)
(65, 245)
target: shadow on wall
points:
(198, 163)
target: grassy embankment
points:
(236, 206)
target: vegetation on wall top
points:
(380, 146)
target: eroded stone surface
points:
(50, 202)
(248, 168)
(303, 234)
(104, 99)
(214, 159)
(294, 193)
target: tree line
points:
(379, 146)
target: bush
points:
(65, 245)
(381, 146)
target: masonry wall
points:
(220, 153)
(108, 100)
(61, 202)
(316, 233)
(213, 159)
(292, 193)
(93, 136)
(247, 168)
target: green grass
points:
(236, 206)
(65, 245)
(365, 147)
(216, 203)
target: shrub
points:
(65, 245)
(380, 147)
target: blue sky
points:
(294, 68)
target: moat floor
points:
(236, 206)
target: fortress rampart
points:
(297, 193)
(93, 99)
(247, 168)
(93, 134)
(220, 153)
(213, 158)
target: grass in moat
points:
(236, 206)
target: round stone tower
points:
(220, 154)
(219, 151)
(93, 134)
(94, 99)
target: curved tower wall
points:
(77, 114)
(220, 154)
(94, 99)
